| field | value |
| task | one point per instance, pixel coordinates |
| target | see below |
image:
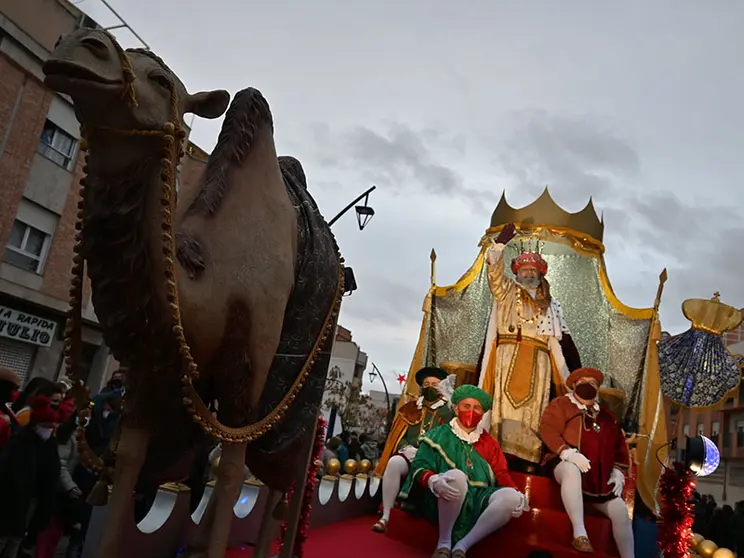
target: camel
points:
(205, 299)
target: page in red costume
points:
(601, 448)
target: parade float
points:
(624, 342)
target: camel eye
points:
(161, 79)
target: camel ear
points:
(208, 104)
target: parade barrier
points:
(165, 528)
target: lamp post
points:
(364, 212)
(373, 374)
(364, 215)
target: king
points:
(528, 353)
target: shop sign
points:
(26, 327)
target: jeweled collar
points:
(434, 406)
(580, 405)
(468, 437)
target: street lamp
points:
(374, 374)
(364, 212)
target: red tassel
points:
(519, 334)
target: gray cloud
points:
(400, 158)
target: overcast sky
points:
(443, 105)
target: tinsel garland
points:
(676, 487)
(311, 482)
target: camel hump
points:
(248, 112)
(293, 167)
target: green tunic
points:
(430, 418)
(441, 450)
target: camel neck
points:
(122, 245)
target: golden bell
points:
(723, 553)
(695, 540)
(706, 549)
(333, 466)
(350, 466)
(364, 466)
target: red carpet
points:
(546, 527)
(353, 538)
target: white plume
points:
(447, 386)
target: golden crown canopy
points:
(544, 211)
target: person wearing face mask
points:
(528, 352)
(9, 384)
(29, 473)
(589, 457)
(460, 478)
(412, 420)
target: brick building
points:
(725, 427)
(40, 167)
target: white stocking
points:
(622, 529)
(449, 510)
(501, 504)
(395, 472)
(569, 477)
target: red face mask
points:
(470, 418)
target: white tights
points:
(569, 477)
(395, 472)
(501, 504)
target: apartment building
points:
(725, 427)
(40, 168)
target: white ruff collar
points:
(471, 437)
(572, 398)
(433, 406)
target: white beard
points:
(529, 283)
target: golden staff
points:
(433, 273)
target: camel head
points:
(92, 68)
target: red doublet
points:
(605, 450)
(488, 448)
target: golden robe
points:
(518, 367)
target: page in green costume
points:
(440, 451)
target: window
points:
(700, 429)
(56, 145)
(715, 428)
(686, 430)
(27, 247)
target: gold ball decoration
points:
(706, 549)
(364, 466)
(695, 540)
(333, 466)
(723, 553)
(350, 467)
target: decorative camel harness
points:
(172, 135)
